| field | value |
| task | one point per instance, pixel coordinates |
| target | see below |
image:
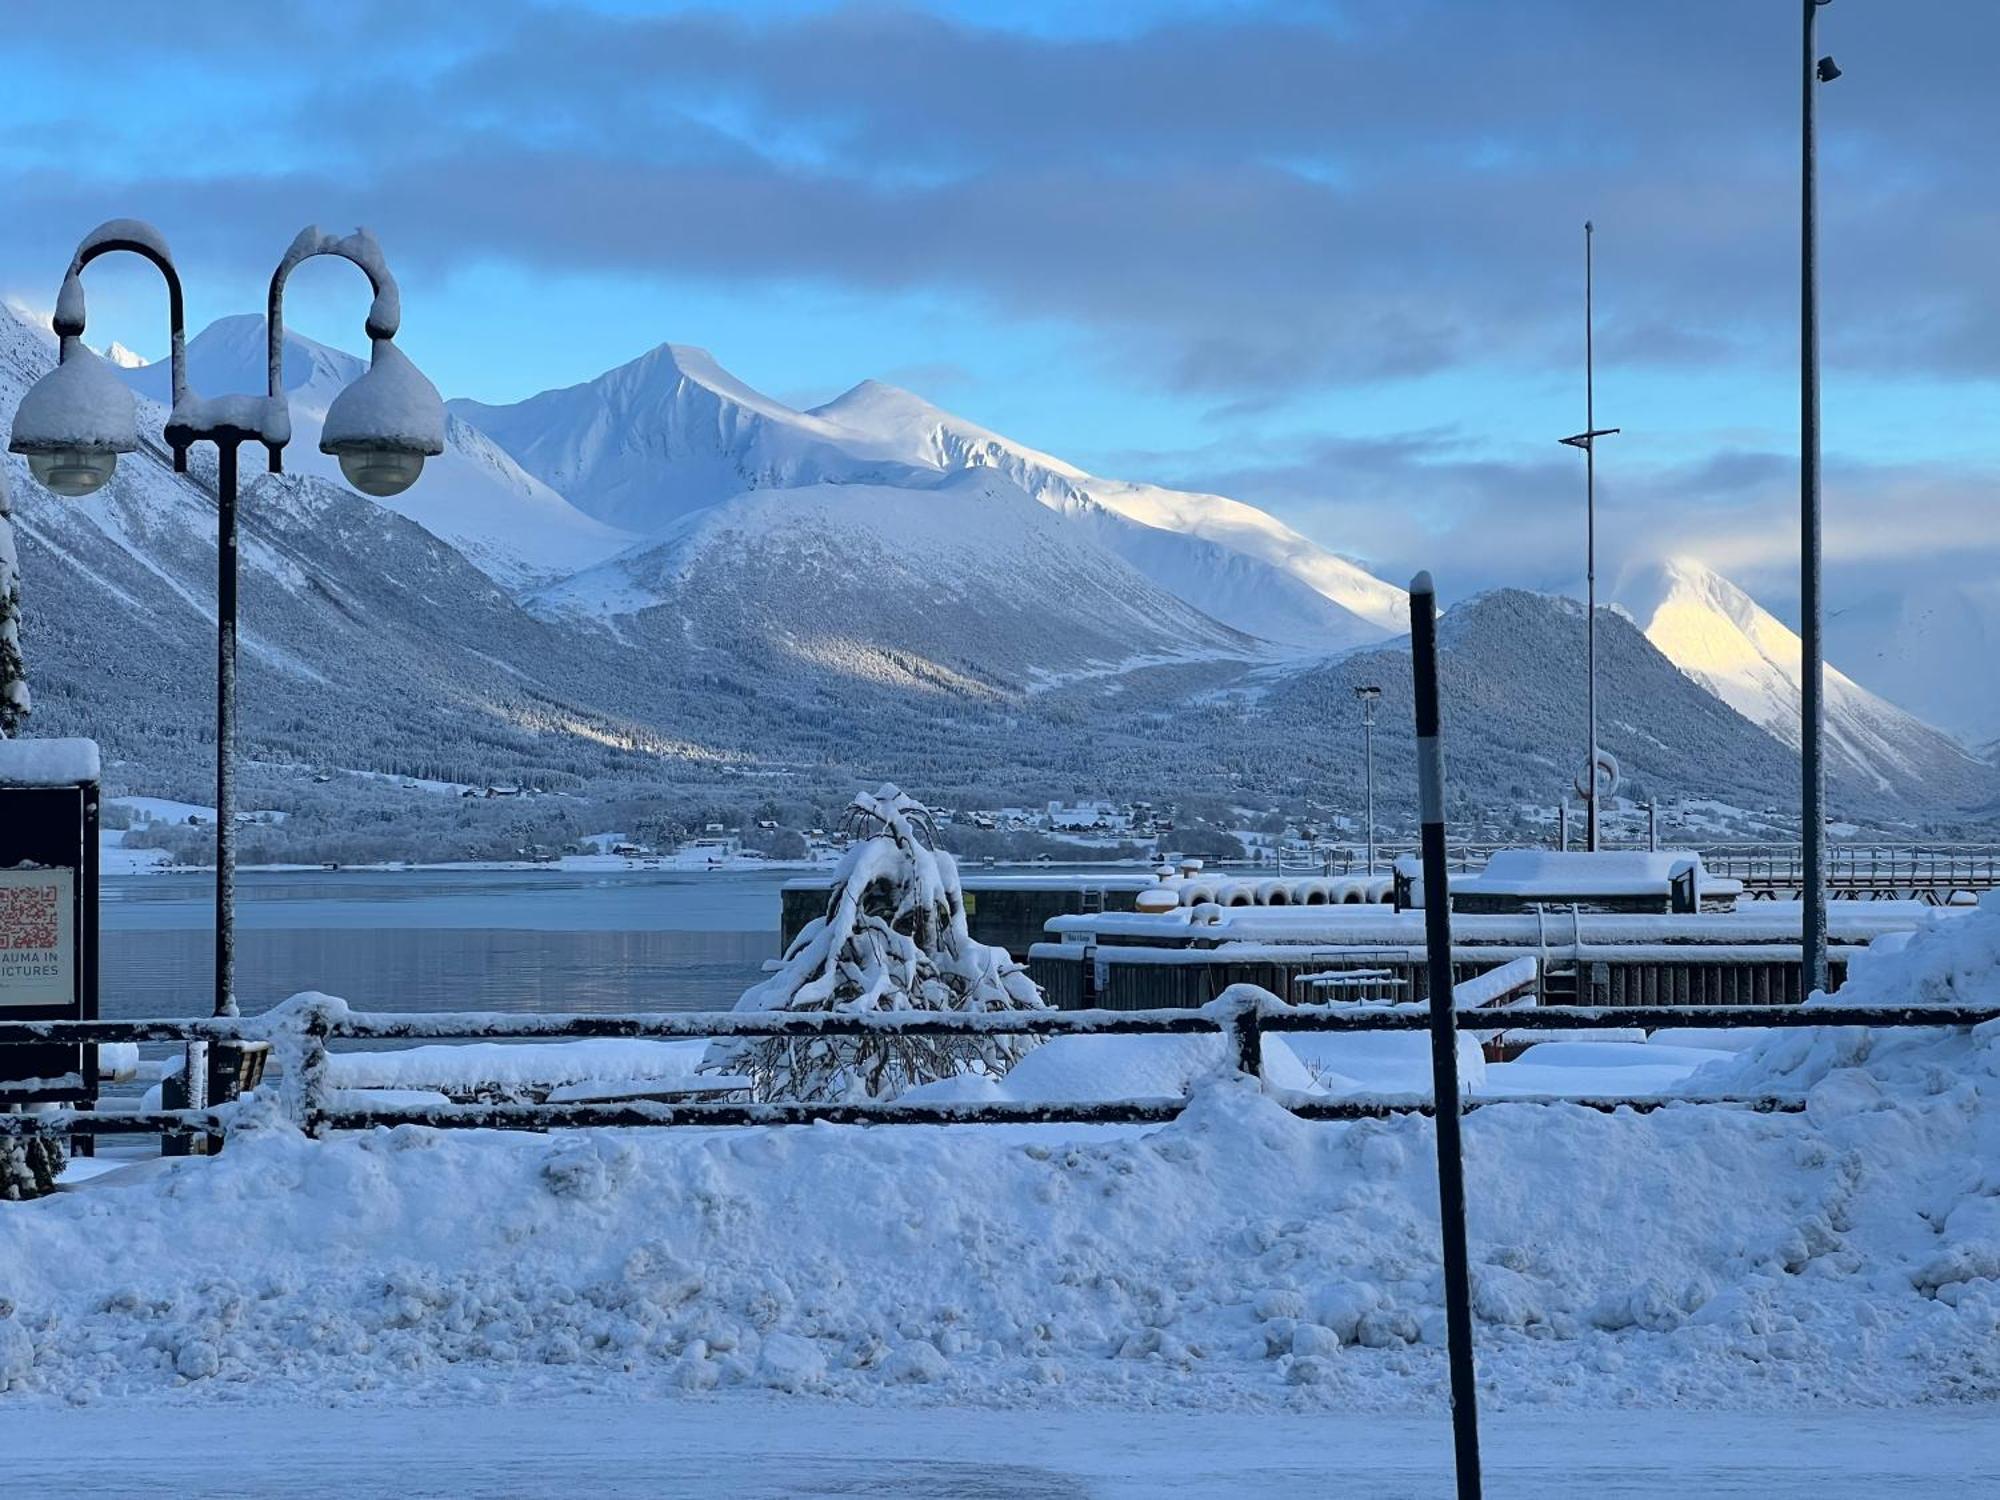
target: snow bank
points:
(1691, 1257)
(1697, 1256)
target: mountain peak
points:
(231, 357)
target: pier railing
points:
(301, 1031)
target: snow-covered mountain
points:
(510, 525)
(641, 446)
(1930, 648)
(976, 619)
(965, 581)
(1747, 657)
(1239, 563)
(651, 441)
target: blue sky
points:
(1325, 257)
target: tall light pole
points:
(75, 421)
(1369, 696)
(1590, 785)
(1812, 696)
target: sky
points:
(1325, 257)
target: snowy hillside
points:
(965, 582)
(653, 440)
(1512, 669)
(508, 524)
(1726, 641)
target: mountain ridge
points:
(950, 628)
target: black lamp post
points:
(1600, 777)
(1812, 698)
(1369, 696)
(76, 420)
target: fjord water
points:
(428, 940)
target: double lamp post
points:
(76, 420)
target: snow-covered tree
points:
(30, 1165)
(893, 939)
(13, 670)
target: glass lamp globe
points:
(73, 472)
(381, 472)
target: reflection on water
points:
(452, 940)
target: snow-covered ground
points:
(1242, 1268)
(756, 1448)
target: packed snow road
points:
(757, 1449)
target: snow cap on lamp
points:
(384, 425)
(75, 421)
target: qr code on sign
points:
(28, 917)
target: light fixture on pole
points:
(1600, 773)
(76, 420)
(1812, 652)
(1369, 695)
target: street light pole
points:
(1591, 785)
(1369, 696)
(75, 421)
(225, 728)
(1812, 697)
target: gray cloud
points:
(1236, 204)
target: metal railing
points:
(300, 1035)
(1875, 865)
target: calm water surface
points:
(520, 940)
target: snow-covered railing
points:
(301, 1030)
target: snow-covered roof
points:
(1604, 872)
(48, 762)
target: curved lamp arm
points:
(141, 239)
(385, 313)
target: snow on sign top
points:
(48, 762)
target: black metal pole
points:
(1590, 530)
(1368, 737)
(1812, 811)
(1444, 1040)
(225, 728)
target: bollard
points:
(1444, 1038)
(1249, 1029)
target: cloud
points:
(1438, 499)
(1234, 203)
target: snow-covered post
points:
(893, 939)
(299, 1031)
(14, 700)
(1247, 1025)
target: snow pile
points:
(1696, 1256)
(1951, 958)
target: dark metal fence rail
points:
(1858, 866)
(300, 1036)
